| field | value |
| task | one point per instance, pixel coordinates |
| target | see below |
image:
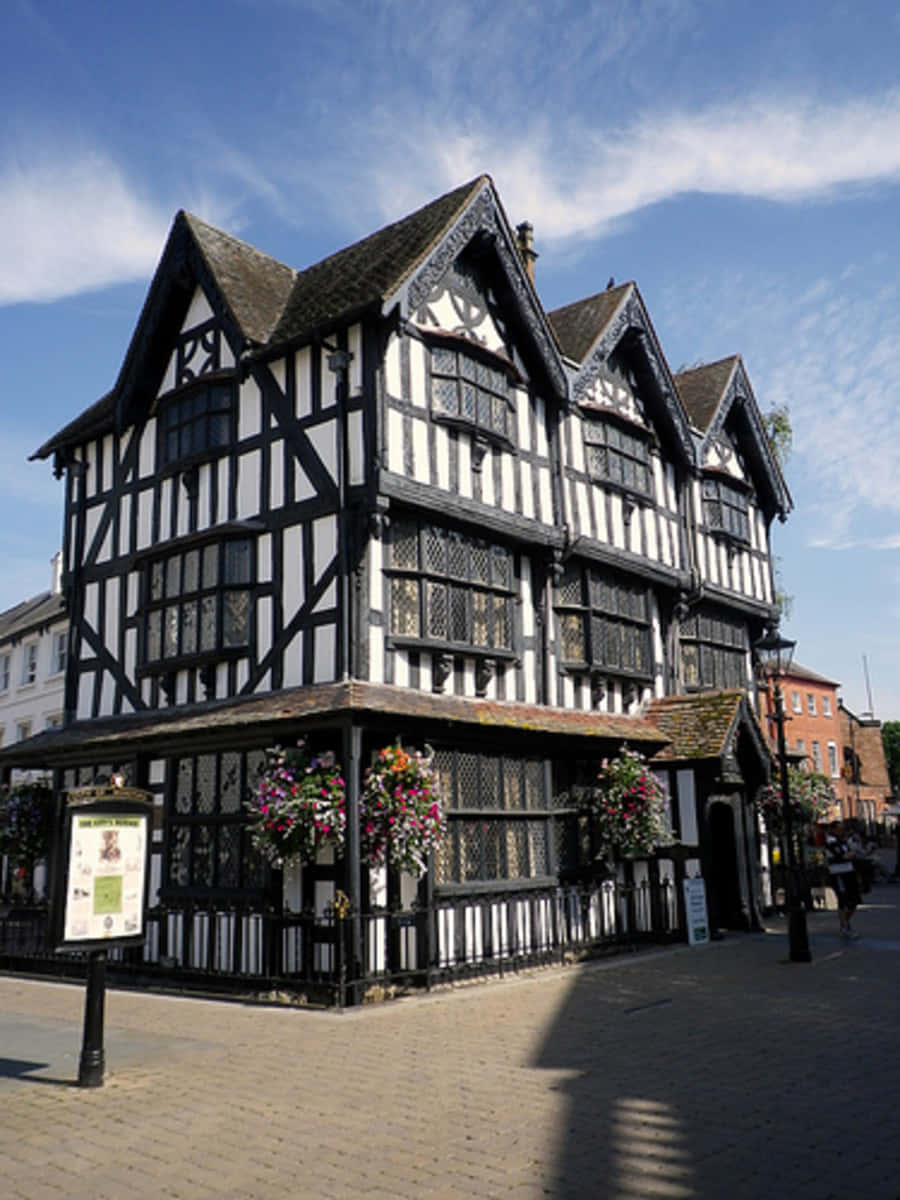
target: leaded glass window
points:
(199, 601)
(207, 847)
(450, 587)
(604, 621)
(713, 650)
(726, 509)
(197, 421)
(618, 456)
(498, 818)
(470, 389)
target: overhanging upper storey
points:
(721, 406)
(610, 335)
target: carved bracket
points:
(441, 667)
(598, 689)
(484, 673)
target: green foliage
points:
(890, 739)
(812, 798)
(26, 823)
(777, 422)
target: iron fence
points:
(338, 956)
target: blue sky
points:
(740, 161)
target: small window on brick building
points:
(811, 703)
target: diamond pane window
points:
(726, 509)
(466, 387)
(714, 651)
(612, 632)
(197, 421)
(616, 456)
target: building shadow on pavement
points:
(711, 1073)
(20, 1068)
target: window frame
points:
(796, 702)
(826, 707)
(209, 600)
(625, 618)
(719, 646)
(59, 652)
(816, 754)
(602, 436)
(30, 656)
(833, 764)
(186, 397)
(425, 581)
(726, 503)
(480, 378)
(5, 671)
(811, 710)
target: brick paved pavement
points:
(715, 1072)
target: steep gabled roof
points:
(254, 286)
(578, 326)
(798, 671)
(702, 389)
(370, 270)
(719, 393)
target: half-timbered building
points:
(389, 495)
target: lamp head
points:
(774, 653)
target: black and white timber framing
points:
(395, 469)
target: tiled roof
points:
(701, 389)
(254, 286)
(369, 270)
(577, 326)
(696, 726)
(31, 614)
(798, 671)
(173, 727)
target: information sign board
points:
(695, 911)
(106, 858)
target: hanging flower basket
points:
(812, 798)
(298, 806)
(400, 816)
(628, 807)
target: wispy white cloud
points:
(572, 180)
(72, 224)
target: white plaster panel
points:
(324, 543)
(130, 653)
(576, 441)
(111, 616)
(146, 689)
(242, 675)
(687, 807)
(701, 557)
(91, 521)
(92, 605)
(583, 516)
(104, 554)
(85, 694)
(376, 654)
(417, 353)
(249, 467)
(221, 679)
(182, 679)
(527, 595)
(144, 521)
(393, 375)
(599, 500)
(425, 677)
(355, 346)
(165, 510)
(107, 480)
(264, 627)
(487, 478)
(401, 668)
(421, 466)
(264, 558)
(546, 496)
(468, 677)
(199, 311)
(302, 382)
(292, 662)
(183, 511)
(757, 579)
(618, 525)
(650, 539)
(568, 691)
(92, 482)
(634, 531)
(376, 566)
(292, 585)
(442, 449)
(279, 373)
(125, 524)
(523, 417)
(671, 492)
(168, 379)
(249, 409)
(223, 489)
(659, 480)
(540, 428)
(527, 490)
(395, 441)
(529, 674)
(276, 476)
(357, 447)
(465, 466)
(507, 483)
(303, 487)
(157, 771)
(133, 583)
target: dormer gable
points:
(723, 410)
(617, 362)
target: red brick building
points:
(813, 727)
(865, 786)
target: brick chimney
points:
(525, 242)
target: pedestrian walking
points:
(842, 876)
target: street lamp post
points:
(775, 653)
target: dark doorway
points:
(724, 877)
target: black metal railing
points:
(338, 956)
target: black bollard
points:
(90, 1068)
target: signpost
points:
(101, 900)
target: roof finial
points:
(525, 242)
